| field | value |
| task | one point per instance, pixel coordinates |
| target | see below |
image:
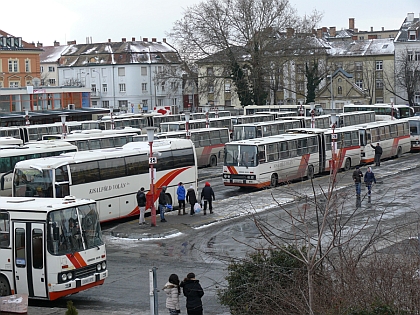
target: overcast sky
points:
(64, 20)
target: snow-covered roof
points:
(52, 54)
(361, 47)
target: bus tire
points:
(310, 173)
(4, 286)
(347, 164)
(274, 180)
(213, 160)
(399, 152)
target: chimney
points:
(164, 40)
(71, 42)
(154, 40)
(324, 29)
(123, 39)
(373, 36)
(319, 33)
(371, 28)
(383, 28)
(133, 39)
(109, 40)
(351, 23)
(145, 39)
(56, 43)
(38, 44)
(333, 32)
(354, 37)
(290, 32)
(410, 17)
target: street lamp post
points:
(332, 95)
(63, 126)
(333, 145)
(152, 161)
(206, 109)
(187, 123)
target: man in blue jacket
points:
(180, 192)
(369, 179)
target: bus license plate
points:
(88, 280)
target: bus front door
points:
(29, 259)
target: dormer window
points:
(411, 35)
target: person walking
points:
(180, 192)
(163, 201)
(378, 153)
(193, 292)
(191, 198)
(141, 202)
(369, 179)
(172, 290)
(208, 195)
(357, 177)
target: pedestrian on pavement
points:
(191, 198)
(172, 290)
(163, 201)
(369, 179)
(193, 292)
(378, 153)
(180, 192)
(357, 177)
(207, 195)
(141, 202)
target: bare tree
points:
(407, 75)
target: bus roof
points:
(270, 139)
(43, 205)
(38, 147)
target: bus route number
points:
(152, 160)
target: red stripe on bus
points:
(80, 259)
(303, 165)
(57, 295)
(74, 261)
(205, 155)
(165, 180)
(232, 170)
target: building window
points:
(159, 69)
(300, 86)
(28, 83)
(411, 35)
(211, 88)
(14, 84)
(121, 71)
(160, 102)
(227, 86)
(144, 102)
(93, 88)
(409, 55)
(1, 84)
(51, 69)
(51, 81)
(123, 104)
(361, 38)
(122, 87)
(27, 66)
(340, 90)
(94, 103)
(174, 101)
(42, 82)
(379, 100)
(379, 64)
(42, 68)
(210, 72)
(13, 66)
(379, 84)
(104, 88)
(105, 104)
(143, 70)
(358, 66)
(162, 86)
(144, 87)
(174, 86)
(359, 83)
(417, 56)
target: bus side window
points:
(4, 229)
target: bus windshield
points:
(31, 182)
(73, 229)
(240, 155)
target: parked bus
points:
(97, 139)
(267, 161)
(50, 248)
(35, 132)
(208, 143)
(382, 111)
(246, 119)
(10, 156)
(112, 176)
(10, 132)
(414, 123)
(300, 110)
(263, 129)
(10, 142)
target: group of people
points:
(369, 177)
(192, 291)
(184, 196)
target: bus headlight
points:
(226, 176)
(69, 276)
(103, 265)
(63, 277)
(99, 267)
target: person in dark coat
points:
(141, 202)
(357, 178)
(193, 292)
(163, 201)
(378, 153)
(208, 195)
(369, 179)
(191, 198)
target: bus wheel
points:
(399, 152)
(347, 165)
(213, 160)
(274, 180)
(311, 173)
(4, 287)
